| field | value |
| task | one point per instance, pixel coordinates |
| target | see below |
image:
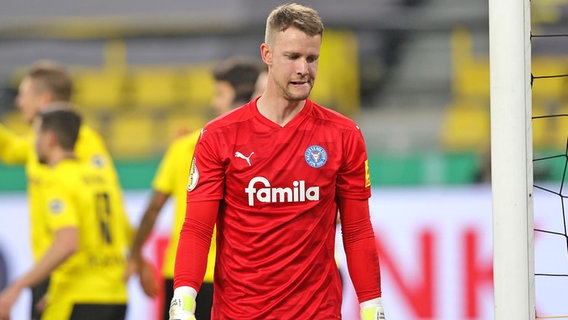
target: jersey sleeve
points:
(360, 248)
(353, 180)
(14, 149)
(207, 172)
(61, 206)
(354, 189)
(194, 244)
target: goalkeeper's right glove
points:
(182, 306)
(372, 310)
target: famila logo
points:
(297, 193)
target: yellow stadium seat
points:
(154, 87)
(473, 80)
(337, 85)
(552, 88)
(132, 135)
(541, 127)
(470, 74)
(197, 87)
(466, 127)
(98, 89)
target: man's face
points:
(30, 99)
(293, 58)
(224, 97)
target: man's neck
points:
(279, 110)
(59, 155)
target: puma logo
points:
(242, 156)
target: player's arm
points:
(136, 262)
(64, 245)
(163, 185)
(191, 257)
(362, 256)
(14, 149)
(155, 205)
(162, 188)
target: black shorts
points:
(38, 291)
(203, 302)
(98, 312)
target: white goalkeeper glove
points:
(182, 306)
(372, 310)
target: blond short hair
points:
(52, 77)
(294, 15)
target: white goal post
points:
(511, 159)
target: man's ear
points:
(46, 99)
(51, 139)
(266, 53)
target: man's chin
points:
(292, 96)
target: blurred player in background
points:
(84, 217)
(235, 80)
(271, 176)
(260, 85)
(47, 82)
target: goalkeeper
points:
(271, 175)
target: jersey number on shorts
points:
(103, 215)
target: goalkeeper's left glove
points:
(182, 306)
(372, 310)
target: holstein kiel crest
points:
(315, 156)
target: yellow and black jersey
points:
(78, 194)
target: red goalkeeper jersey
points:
(278, 188)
